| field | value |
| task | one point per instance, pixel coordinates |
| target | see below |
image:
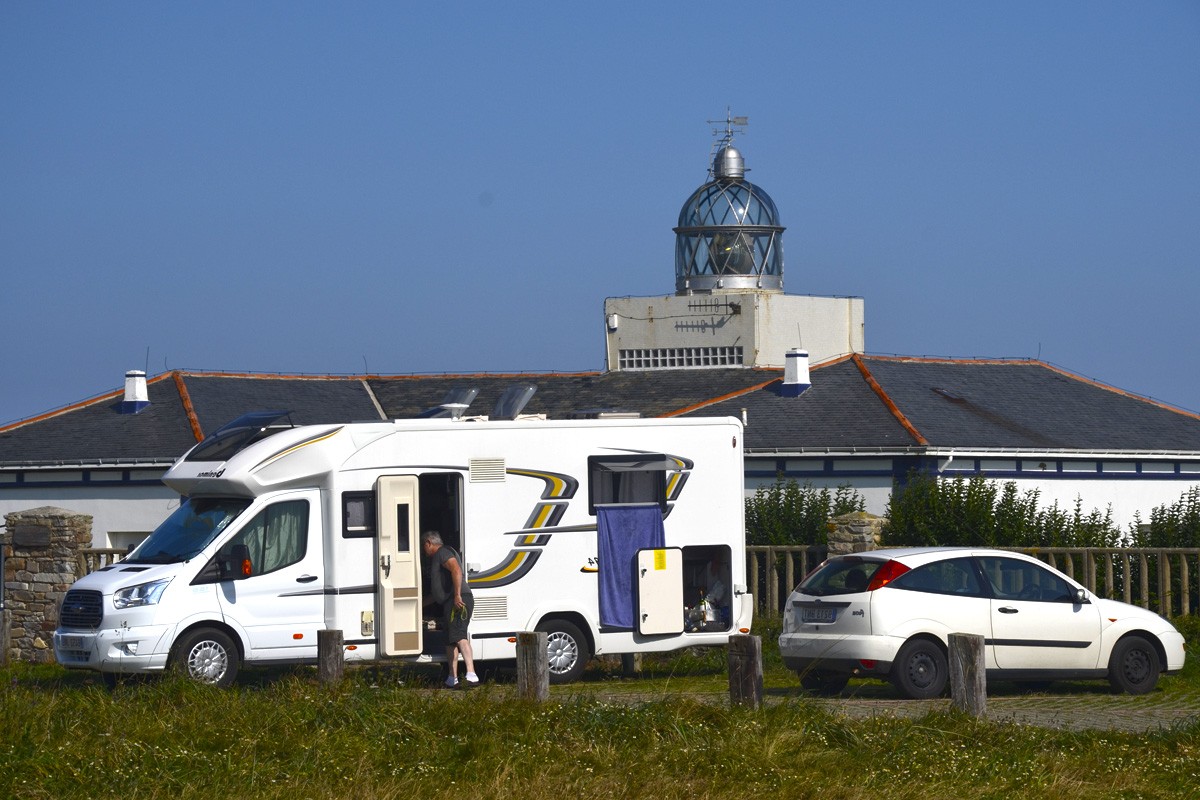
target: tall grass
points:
(388, 733)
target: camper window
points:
(358, 515)
(277, 537)
(622, 480)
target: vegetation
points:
(786, 513)
(975, 511)
(389, 733)
(1175, 525)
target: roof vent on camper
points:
(453, 404)
(137, 397)
(513, 402)
(795, 373)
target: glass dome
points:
(729, 236)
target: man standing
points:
(448, 585)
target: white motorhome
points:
(602, 533)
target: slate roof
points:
(859, 404)
(894, 403)
(185, 406)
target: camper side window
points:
(625, 480)
(358, 515)
(277, 537)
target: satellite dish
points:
(453, 404)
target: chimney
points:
(137, 397)
(795, 373)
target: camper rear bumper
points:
(126, 650)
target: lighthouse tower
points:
(729, 308)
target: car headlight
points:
(144, 594)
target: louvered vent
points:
(490, 608)
(487, 470)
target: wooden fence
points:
(1154, 578)
(1157, 579)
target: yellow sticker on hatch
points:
(660, 559)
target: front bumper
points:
(124, 650)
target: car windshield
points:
(846, 575)
(188, 531)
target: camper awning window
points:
(628, 480)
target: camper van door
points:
(398, 568)
(276, 590)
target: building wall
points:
(122, 511)
(763, 325)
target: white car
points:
(889, 614)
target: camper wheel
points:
(206, 655)
(566, 650)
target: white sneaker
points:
(451, 682)
(472, 678)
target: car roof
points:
(922, 555)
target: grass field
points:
(390, 733)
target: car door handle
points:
(1007, 610)
(306, 579)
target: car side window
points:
(1013, 579)
(277, 537)
(953, 576)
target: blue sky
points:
(334, 188)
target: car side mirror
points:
(1081, 596)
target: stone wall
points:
(41, 561)
(854, 533)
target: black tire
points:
(566, 649)
(921, 671)
(824, 683)
(1134, 666)
(206, 655)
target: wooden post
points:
(745, 670)
(631, 664)
(533, 667)
(968, 675)
(331, 662)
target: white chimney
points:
(795, 373)
(137, 396)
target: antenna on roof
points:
(723, 137)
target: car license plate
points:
(71, 642)
(817, 614)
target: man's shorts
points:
(457, 619)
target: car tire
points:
(920, 671)
(566, 650)
(206, 655)
(823, 682)
(1134, 666)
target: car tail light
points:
(886, 574)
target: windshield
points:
(188, 531)
(846, 575)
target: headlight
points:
(144, 594)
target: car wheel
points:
(1133, 666)
(566, 650)
(920, 671)
(206, 655)
(824, 683)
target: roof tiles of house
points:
(859, 403)
(887, 403)
(185, 406)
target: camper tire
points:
(206, 655)
(566, 650)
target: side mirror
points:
(1081, 596)
(240, 566)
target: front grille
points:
(81, 608)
